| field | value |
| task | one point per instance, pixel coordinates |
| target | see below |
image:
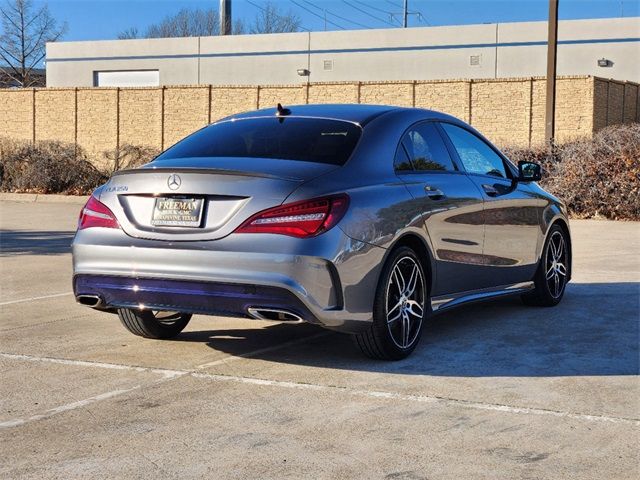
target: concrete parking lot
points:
(495, 391)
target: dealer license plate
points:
(177, 212)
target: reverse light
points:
(307, 218)
(96, 214)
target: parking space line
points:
(33, 299)
(85, 363)
(418, 398)
(169, 375)
(65, 408)
(80, 403)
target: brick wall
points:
(98, 129)
(186, 109)
(17, 114)
(334, 93)
(230, 100)
(508, 111)
(448, 97)
(140, 117)
(55, 115)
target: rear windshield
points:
(305, 139)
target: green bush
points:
(597, 177)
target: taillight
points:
(307, 218)
(96, 214)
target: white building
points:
(607, 48)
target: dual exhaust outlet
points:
(273, 314)
(93, 301)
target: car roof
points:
(358, 113)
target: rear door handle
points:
(490, 190)
(433, 193)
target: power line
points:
(265, 10)
(373, 7)
(317, 15)
(367, 13)
(335, 15)
(417, 13)
(386, 12)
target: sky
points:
(104, 19)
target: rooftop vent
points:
(475, 60)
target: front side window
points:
(426, 149)
(476, 156)
(304, 139)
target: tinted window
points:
(310, 140)
(401, 162)
(474, 153)
(426, 148)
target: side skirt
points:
(445, 302)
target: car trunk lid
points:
(215, 195)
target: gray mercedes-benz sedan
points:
(363, 219)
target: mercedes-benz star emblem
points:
(174, 182)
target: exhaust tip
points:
(89, 300)
(274, 314)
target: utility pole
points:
(225, 17)
(405, 13)
(552, 50)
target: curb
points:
(42, 198)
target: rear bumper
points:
(225, 299)
(322, 280)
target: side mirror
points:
(529, 171)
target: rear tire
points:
(552, 275)
(150, 324)
(399, 308)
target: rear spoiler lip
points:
(218, 171)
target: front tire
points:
(399, 308)
(553, 272)
(153, 324)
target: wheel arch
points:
(564, 225)
(420, 246)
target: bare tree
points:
(129, 34)
(186, 23)
(203, 23)
(270, 19)
(23, 39)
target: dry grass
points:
(54, 167)
(46, 167)
(597, 177)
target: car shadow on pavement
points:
(594, 331)
(30, 242)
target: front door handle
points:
(433, 193)
(490, 190)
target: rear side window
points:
(401, 163)
(426, 149)
(475, 154)
(304, 139)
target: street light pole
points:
(552, 50)
(225, 17)
(405, 13)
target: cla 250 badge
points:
(116, 188)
